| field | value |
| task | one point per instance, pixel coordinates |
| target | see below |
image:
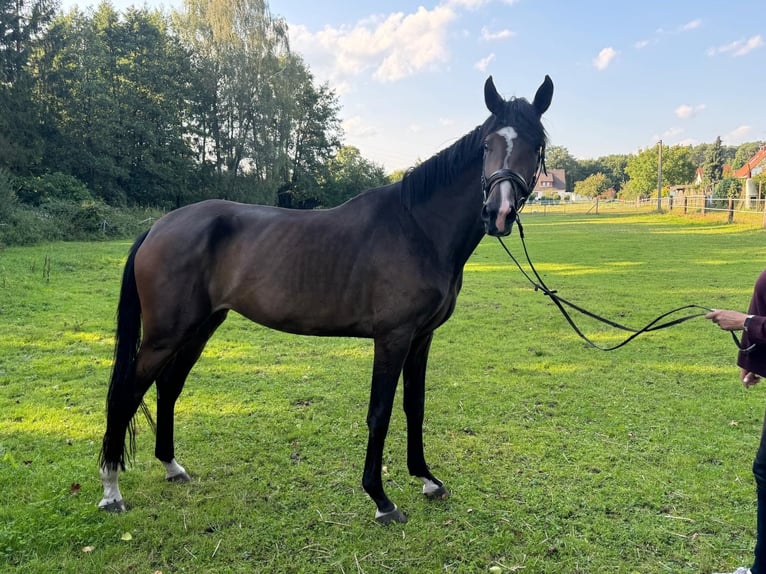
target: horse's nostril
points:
(484, 214)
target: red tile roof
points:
(753, 162)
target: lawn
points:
(560, 458)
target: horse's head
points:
(514, 150)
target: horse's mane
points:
(441, 168)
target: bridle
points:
(514, 178)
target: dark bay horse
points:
(386, 265)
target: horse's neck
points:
(451, 218)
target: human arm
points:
(735, 321)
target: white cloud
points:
(685, 111)
(671, 133)
(604, 58)
(392, 47)
(641, 44)
(355, 127)
(475, 4)
(499, 35)
(738, 47)
(693, 25)
(484, 63)
(737, 136)
(446, 122)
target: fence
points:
(751, 212)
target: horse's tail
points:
(121, 394)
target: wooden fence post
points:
(731, 209)
(686, 200)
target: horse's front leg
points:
(389, 357)
(414, 408)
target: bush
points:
(52, 186)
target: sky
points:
(409, 76)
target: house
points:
(554, 182)
(699, 177)
(754, 166)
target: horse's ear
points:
(492, 98)
(544, 95)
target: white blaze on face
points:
(505, 186)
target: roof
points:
(555, 179)
(752, 163)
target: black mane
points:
(440, 169)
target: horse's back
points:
(341, 271)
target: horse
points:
(387, 265)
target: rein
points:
(561, 303)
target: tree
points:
(558, 157)
(728, 187)
(237, 50)
(349, 175)
(592, 186)
(22, 23)
(613, 167)
(115, 91)
(712, 169)
(642, 170)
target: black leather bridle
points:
(515, 179)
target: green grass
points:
(560, 458)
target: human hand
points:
(749, 378)
(727, 320)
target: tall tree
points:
(22, 23)
(712, 169)
(237, 46)
(115, 91)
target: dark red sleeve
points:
(755, 360)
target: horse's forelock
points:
(520, 114)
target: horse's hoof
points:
(180, 477)
(395, 515)
(440, 493)
(115, 506)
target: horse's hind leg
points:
(121, 408)
(414, 407)
(169, 386)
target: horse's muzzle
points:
(496, 224)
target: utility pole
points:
(659, 176)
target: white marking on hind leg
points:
(429, 486)
(172, 469)
(112, 497)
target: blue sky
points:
(410, 76)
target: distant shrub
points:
(8, 199)
(52, 186)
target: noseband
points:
(515, 179)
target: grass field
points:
(560, 458)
